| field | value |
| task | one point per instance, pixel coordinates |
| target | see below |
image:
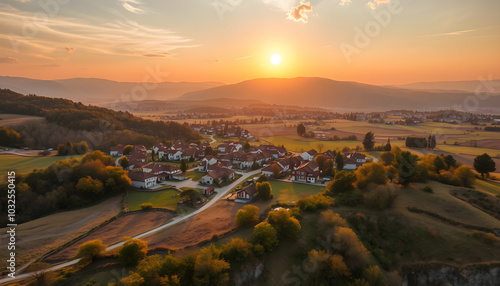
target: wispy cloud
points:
(375, 3)
(345, 2)
(132, 6)
(283, 5)
(162, 55)
(242, 58)
(8, 60)
(299, 12)
(118, 37)
(455, 33)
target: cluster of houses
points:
(137, 157)
(304, 169)
(230, 154)
(181, 150)
(151, 174)
(228, 132)
(146, 174)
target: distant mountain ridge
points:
(92, 90)
(340, 95)
(315, 92)
(486, 85)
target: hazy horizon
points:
(376, 42)
(249, 79)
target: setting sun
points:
(275, 59)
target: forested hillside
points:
(100, 126)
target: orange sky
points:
(117, 40)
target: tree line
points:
(67, 184)
(87, 118)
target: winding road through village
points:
(221, 193)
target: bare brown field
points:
(39, 236)
(486, 143)
(18, 119)
(202, 227)
(127, 225)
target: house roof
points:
(139, 148)
(140, 176)
(251, 190)
(272, 167)
(355, 155)
(119, 149)
(220, 172)
(312, 152)
(311, 169)
(209, 157)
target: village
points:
(151, 168)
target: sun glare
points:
(275, 59)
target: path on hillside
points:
(213, 139)
(221, 192)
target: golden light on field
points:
(275, 59)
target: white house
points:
(142, 180)
(306, 173)
(220, 174)
(206, 162)
(116, 151)
(174, 155)
(246, 195)
(309, 155)
(352, 161)
(270, 170)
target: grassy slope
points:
(286, 191)
(17, 119)
(160, 199)
(22, 164)
(443, 203)
(39, 236)
(490, 187)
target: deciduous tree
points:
(369, 141)
(266, 235)
(247, 215)
(264, 190)
(286, 225)
(370, 173)
(124, 162)
(342, 182)
(133, 251)
(301, 129)
(89, 186)
(484, 165)
(89, 250)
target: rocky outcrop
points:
(448, 276)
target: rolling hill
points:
(464, 86)
(91, 90)
(322, 92)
